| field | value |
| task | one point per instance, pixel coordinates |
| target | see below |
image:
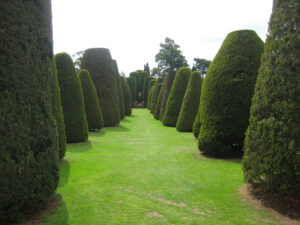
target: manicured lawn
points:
(144, 173)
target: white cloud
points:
(133, 29)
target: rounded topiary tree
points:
(169, 79)
(29, 149)
(196, 124)
(119, 89)
(176, 97)
(131, 82)
(127, 96)
(71, 99)
(155, 94)
(145, 88)
(272, 143)
(92, 108)
(99, 63)
(226, 94)
(190, 104)
(150, 85)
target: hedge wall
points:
(29, 161)
(99, 63)
(131, 82)
(139, 75)
(91, 103)
(150, 85)
(119, 89)
(226, 94)
(146, 85)
(127, 97)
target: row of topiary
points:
(246, 79)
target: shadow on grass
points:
(118, 128)
(235, 159)
(80, 147)
(126, 121)
(64, 173)
(97, 133)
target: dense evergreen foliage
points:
(28, 129)
(176, 96)
(226, 94)
(131, 82)
(196, 124)
(150, 85)
(155, 94)
(119, 89)
(169, 79)
(159, 99)
(272, 144)
(190, 104)
(139, 76)
(99, 63)
(71, 99)
(91, 103)
(146, 85)
(151, 94)
(127, 97)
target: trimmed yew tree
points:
(29, 130)
(226, 94)
(99, 63)
(272, 144)
(145, 89)
(159, 98)
(190, 104)
(71, 99)
(176, 97)
(119, 89)
(151, 93)
(155, 94)
(196, 124)
(139, 75)
(131, 82)
(169, 79)
(92, 108)
(150, 85)
(127, 96)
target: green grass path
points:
(144, 173)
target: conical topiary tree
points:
(176, 97)
(190, 104)
(119, 89)
(150, 85)
(151, 93)
(159, 98)
(71, 99)
(155, 94)
(91, 103)
(127, 97)
(145, 89)
(131, 82)
(169, 79)
(99, 63)
(196, 124)
(272, 143)
(226, 94)
(29, 149)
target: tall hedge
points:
(139, 75)
(127, 96)
(150, 85)
(145, 88)
(190, 103)
(158, 102)
(71, 99)
(169, 79)
(155, 94)
(131, 82)
(226, 94)
(119, 89)
(29, 162)
(176, 97)
(196, 124)
(99, 63)
(151, 93)
(272, 144)
(91, 103)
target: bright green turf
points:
(144, 173)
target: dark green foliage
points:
(131, 82)
(196, 125)
(155, 94)
(72, 100)
(99, 63)
(226, 94)
(58, 114)
(150, 85)
(272, 144)
(147, 68)
(201, 65)
(151, 93)
(127, 96)
(29, 162)
(158, 102)
(169, 79)
(119, 89)
(176, 97)
(92, 108)
(139, 76)
(190, 104)
(146, 84)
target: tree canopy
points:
(201, 65)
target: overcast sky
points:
(133, 29)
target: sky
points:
(133, 29)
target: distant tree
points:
(170, 58)
(77, 58)
(201, 65)
(147, 68)
(122, 74)
(156, 72)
